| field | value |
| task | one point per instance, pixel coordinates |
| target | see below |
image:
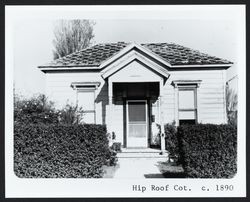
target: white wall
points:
(58, 89)
(211, 95)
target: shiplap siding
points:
(59, 90)
(211, 96)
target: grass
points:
(109, 171)
(168, 170)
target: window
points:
(186, 95)
(187, 105)
(86, 100)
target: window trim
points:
(87, 111)
(186, 85)
(86, 87)
(189, 88)
(180, 83)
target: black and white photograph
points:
(130, 100)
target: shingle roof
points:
(179, 55)
(170, 52)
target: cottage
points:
(132, 87)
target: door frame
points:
(127, 117)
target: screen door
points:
(137, 124)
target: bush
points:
(208, 151)
(37, 109)
(58, 150)
(156, 135)
(171, 140)
(117, 146)
(70, 114)
(231, 105)
(232, 117)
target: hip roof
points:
(172, 53)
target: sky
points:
(32, 38)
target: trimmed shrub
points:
(171, 140)
(57, 150)
(208, 151)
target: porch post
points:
(176, 101)
(110, 109)
(163, 148)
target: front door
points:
(137, 123)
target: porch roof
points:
(174, 54)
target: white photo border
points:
(100, 188)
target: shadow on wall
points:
(103, 98)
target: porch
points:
(135, 84)
(135, 117)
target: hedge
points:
(171, 141)
(208, 151)
(57, 150)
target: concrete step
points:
(140, 150)
(142, 153)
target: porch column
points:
(163, 148)
(198, 103)
(176, 107)
(110, 108)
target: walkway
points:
(143, 164)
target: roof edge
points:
(94, 68)
(202, 65)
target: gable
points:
(133, 64)
(135, 71)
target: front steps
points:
(142, 153)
